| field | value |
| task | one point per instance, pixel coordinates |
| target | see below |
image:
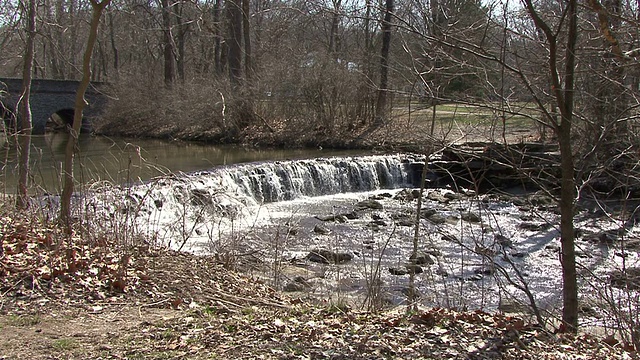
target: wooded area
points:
(323, 68)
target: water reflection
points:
(129, 160)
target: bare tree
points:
(24, 134)
(563, 88)
(246, 30)
(65, 199)
(168, 48)
(383, 90)
(234, 40)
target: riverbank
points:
(397, 134)
(82, 298)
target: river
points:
(478, 251)
(121, 160)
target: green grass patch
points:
(63, 344)
(22, 320)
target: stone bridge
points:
(49, 97)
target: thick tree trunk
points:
(67, 191)
(24, 135)
(568, 188)
(167, 43)
(234, 41)
(383, 90)
(567, 240)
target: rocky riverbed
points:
(474, 252)
(328, 229)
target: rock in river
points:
(324, 256)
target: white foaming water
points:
(201, 207)
(288, 180)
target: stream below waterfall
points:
(342, 229)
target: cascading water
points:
(183, 205)
(288, 180)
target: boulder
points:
(368, 204)
(437, 196)
(421, 259)
(628, 279)
(414, 269)
(453, 196)
(470, 217)
(324, 256)
(321, 230)
(298, 284)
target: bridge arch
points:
(49, 97)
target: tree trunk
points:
(24, 135)
(114, 48)
(217, 50)
(567, 240)
(563, 89)
(333, 35)
(167, 43)
(67, 191)
(246, 29)
(234, 41)
(183, 29)
(568, 188)
(381, 103)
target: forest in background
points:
(220, 67)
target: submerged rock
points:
(470, 217)
(399, 271)
(200, 197)
(437, 219)
(427, 213)
(421, 259)
(319, 229)
(503, 241)
(368, 204)
(405, 270)
(298, 284)
(341, 218)
(324, 256)
(534, 226)
(628, 279)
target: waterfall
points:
(205, 204)
(288, 180)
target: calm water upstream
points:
(129, 160)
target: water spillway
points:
(170, 205)
(288, 180)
